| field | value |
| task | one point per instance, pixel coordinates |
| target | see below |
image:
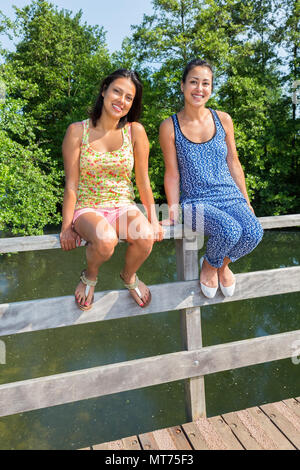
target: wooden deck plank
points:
(113, 445)
(148, 442)
(294, 405)
(179, 438)
(285, 420)
(288, 413)
(274, 426)
(204, 436)
(165, 439)
(226, 433)
(241, 431)
(132, 443)
(264, 431)
(195, 437)
(128, 443)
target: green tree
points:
(243, 49)
(51, 80)
(29, 178)
(65, 61)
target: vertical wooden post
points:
(187, 270)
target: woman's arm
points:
(141, 157)
(233, 162)
(171, 178)
(71, 154)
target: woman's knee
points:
(141, 234)
(144, 243)
(231, 233)
(255, 232)
(105, 247)
(252, 235)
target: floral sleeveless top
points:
(105, 177)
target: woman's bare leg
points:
(226, 276)
(102, 239)
(136, 229)
(209, 274)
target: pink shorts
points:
(111, 214)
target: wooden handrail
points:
(41, 314)
(191, 364)
(48, 242)
(48, 391)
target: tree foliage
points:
(29, 178)
(246, 43)
(51, 80)
(53, 76)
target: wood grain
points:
(69, 387)
(34, 315)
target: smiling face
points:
(197, 87)
(119, 97)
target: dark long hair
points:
(136, 108)
(197, 63)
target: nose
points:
(122, 100)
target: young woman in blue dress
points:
(203, 173)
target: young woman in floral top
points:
(99, 156)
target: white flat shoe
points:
(229, 290)
(209, 292)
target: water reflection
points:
(53, 273)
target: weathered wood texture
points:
(128, 443)
(47, 242)
(280, 221)
(274, 426)
(165, 439)
(104, 380)
(191, 330)
(19, 317)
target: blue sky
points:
(115, 16)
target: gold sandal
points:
(134, 286)
(88, 283)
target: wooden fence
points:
(191, 364)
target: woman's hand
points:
(69, 239)
(158, 231)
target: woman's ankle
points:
(208, 266)
(128, 277)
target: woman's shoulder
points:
(137, 132)
(136, 129)
(76, 128)
(135, 126)
(167, 125)
(224, 117)
(75, 133)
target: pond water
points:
(52, 273)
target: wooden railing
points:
(191, 364)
